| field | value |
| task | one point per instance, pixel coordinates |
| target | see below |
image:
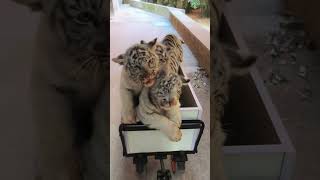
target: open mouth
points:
(148, 82)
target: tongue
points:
(148, 82)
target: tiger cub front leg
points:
(174, 115)
(128, 114)
(173, 131)
(170, 128)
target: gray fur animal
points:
(68, 76)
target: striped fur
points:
(174, 47)
(170, 52)
(141, 65)
(159, 105)
(140, 62)
(167, 89)
(69, 67)
(81, 25)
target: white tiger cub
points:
(159, 105)
(140, 67)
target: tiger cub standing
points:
(169, 52)
(159, 105)
(140, 67)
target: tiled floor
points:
(129, 26)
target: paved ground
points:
(129, 26)
(300, 116)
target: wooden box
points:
(258, 146)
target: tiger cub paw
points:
(128, 119)
(179, 123)
(175, 133)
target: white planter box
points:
(257, 146)
(191, 108)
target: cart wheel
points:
(168, 175)
(139, 167)
(181, 165)
(160, 175)
(180, 158)
(140, 161)
(164, 175)
(173, 166)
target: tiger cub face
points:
(74, 36)
(140, 63)
(166, 91)
(80, 27)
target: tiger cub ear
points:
(120, 59)
(152, 43)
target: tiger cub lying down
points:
(159, 105)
